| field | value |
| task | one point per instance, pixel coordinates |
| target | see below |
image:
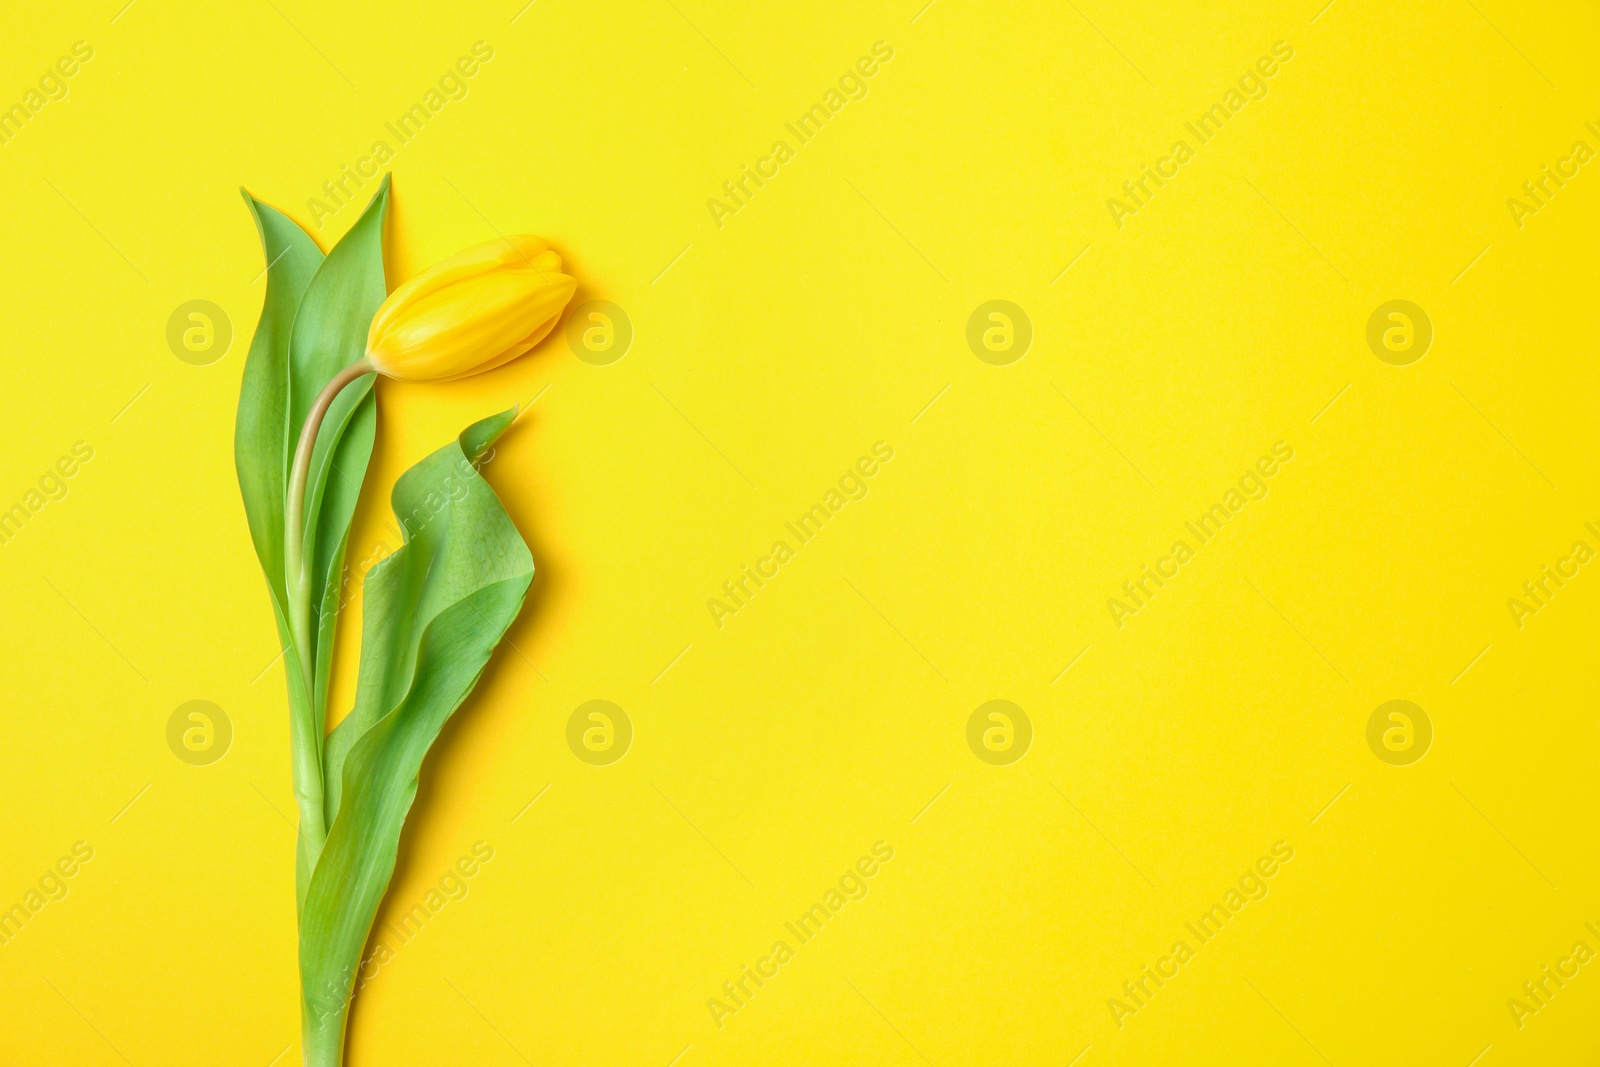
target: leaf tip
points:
(476, 439)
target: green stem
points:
(305, 729)
(322, 1040)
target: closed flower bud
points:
(477, 310)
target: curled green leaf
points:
(433, 612)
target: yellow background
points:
(825, 716)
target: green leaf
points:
(313, 324)
(433, 612)
(330, 333)
(261, 443)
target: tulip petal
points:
(520, 250)
(522, 348)
(469, 325)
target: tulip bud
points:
(477, 310)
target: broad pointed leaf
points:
(433, 612)
(261, 442)
(330, 333)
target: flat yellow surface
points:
(1182, 739)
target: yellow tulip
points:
(477, 310)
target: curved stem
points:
(307, 741)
